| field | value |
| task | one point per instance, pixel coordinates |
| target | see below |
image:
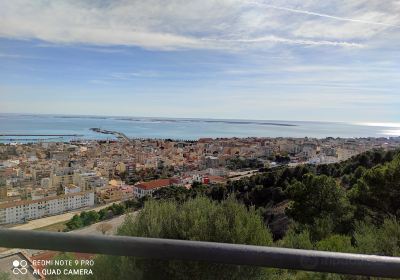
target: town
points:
(50, 178)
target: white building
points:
(217, 171)
(24, 210)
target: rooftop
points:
(157, 184)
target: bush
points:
(296, 240)
(336, 243)
(197, 219)
(383, 240)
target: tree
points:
(74, 223)
(132, 204)
(104, 227)
(89, 217)
(243, 163)
(102, 214)
(177, 193)
(218, 192)
(117, 209)
(319, 197)
(377, 193)
(282, 159)
(196, 219)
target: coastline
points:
(34, 128)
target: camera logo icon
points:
(19, 267)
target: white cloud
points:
(219, 24)
(133, 75)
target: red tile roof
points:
(155, 184)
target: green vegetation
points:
(57, 227)
(87, 218)
(147, 174)
(4, 276)
(377, 192)
(195, 219)
(244, 163)
(351, 206)
(324, 199)
(319, 202)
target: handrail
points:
(155, 248)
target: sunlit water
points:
(190, 129)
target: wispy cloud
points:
(99, 82)
(133, 75)
(7, 55)
(17, 56)
(275, 39)
(325, 15)
(198, 24)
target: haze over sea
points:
(25, 125)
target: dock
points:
(117, 134)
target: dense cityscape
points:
(50, 178)
(201, 140)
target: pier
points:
(117, 134)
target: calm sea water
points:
(179, 128)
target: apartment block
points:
(25, 210)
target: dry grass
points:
(54, 227)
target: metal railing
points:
(155, 248)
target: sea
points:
(24, 128)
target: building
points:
(58, 179)
(147, 188)
(217, 171)
(72, 189)
(88, 180)
(115, 193)
(211, 162)
(24, 210)
(3, 189)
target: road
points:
(234, 176)
(115, 223)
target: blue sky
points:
(284, 60)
